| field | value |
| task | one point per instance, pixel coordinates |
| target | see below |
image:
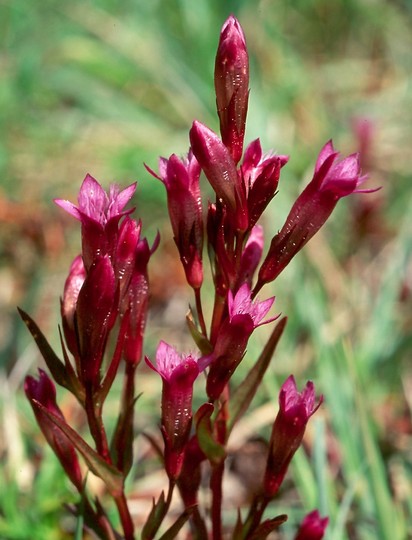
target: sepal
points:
(212, 449)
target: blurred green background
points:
(105, 86)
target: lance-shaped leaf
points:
(59, 371)
(202, 343)
(172, 532)
(268, 526)
(155, 518)
(93, 520)
(245, 392)
(121, 447)
(238, 530)
(111, 476)
(115, 361)
(213, 450)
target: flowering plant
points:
(104, 310)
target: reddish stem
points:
(218, 311)
(256, 289)
(216, 479)
(125, 517)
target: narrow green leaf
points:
(55, 365)
(111, 476)
(213, 450)
(203, 344)
(172, 532)
(121, 446)
(155, 517)
(245, 392)
(238, 530)
(268, 526)
(78, 533)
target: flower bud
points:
(95, 315)
(181, 179)
(44, 392)
(295, 409)
(220, 169)
(261, 177)
(232, 86)
(313, 527)
(72, 286)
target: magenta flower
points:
(242, 304)
(178, 373)
(313, 527)
(295, 409)
(43, 391)
(220, 169)
(96, 313)
(260, 175)
(96, 204)
(99, 214)
(125, 254)
(136, 300)
(332, 180)
(252, 253)
(72, 286)
(244, 315)
(338, 177)
(181, 179)
(232, 85)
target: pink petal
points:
(119, 199)
(326, 151)
(69, 207)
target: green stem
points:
(199, 310)
(94, 419)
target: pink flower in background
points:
(313, 527)
(295, 409)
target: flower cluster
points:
(104, 309)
